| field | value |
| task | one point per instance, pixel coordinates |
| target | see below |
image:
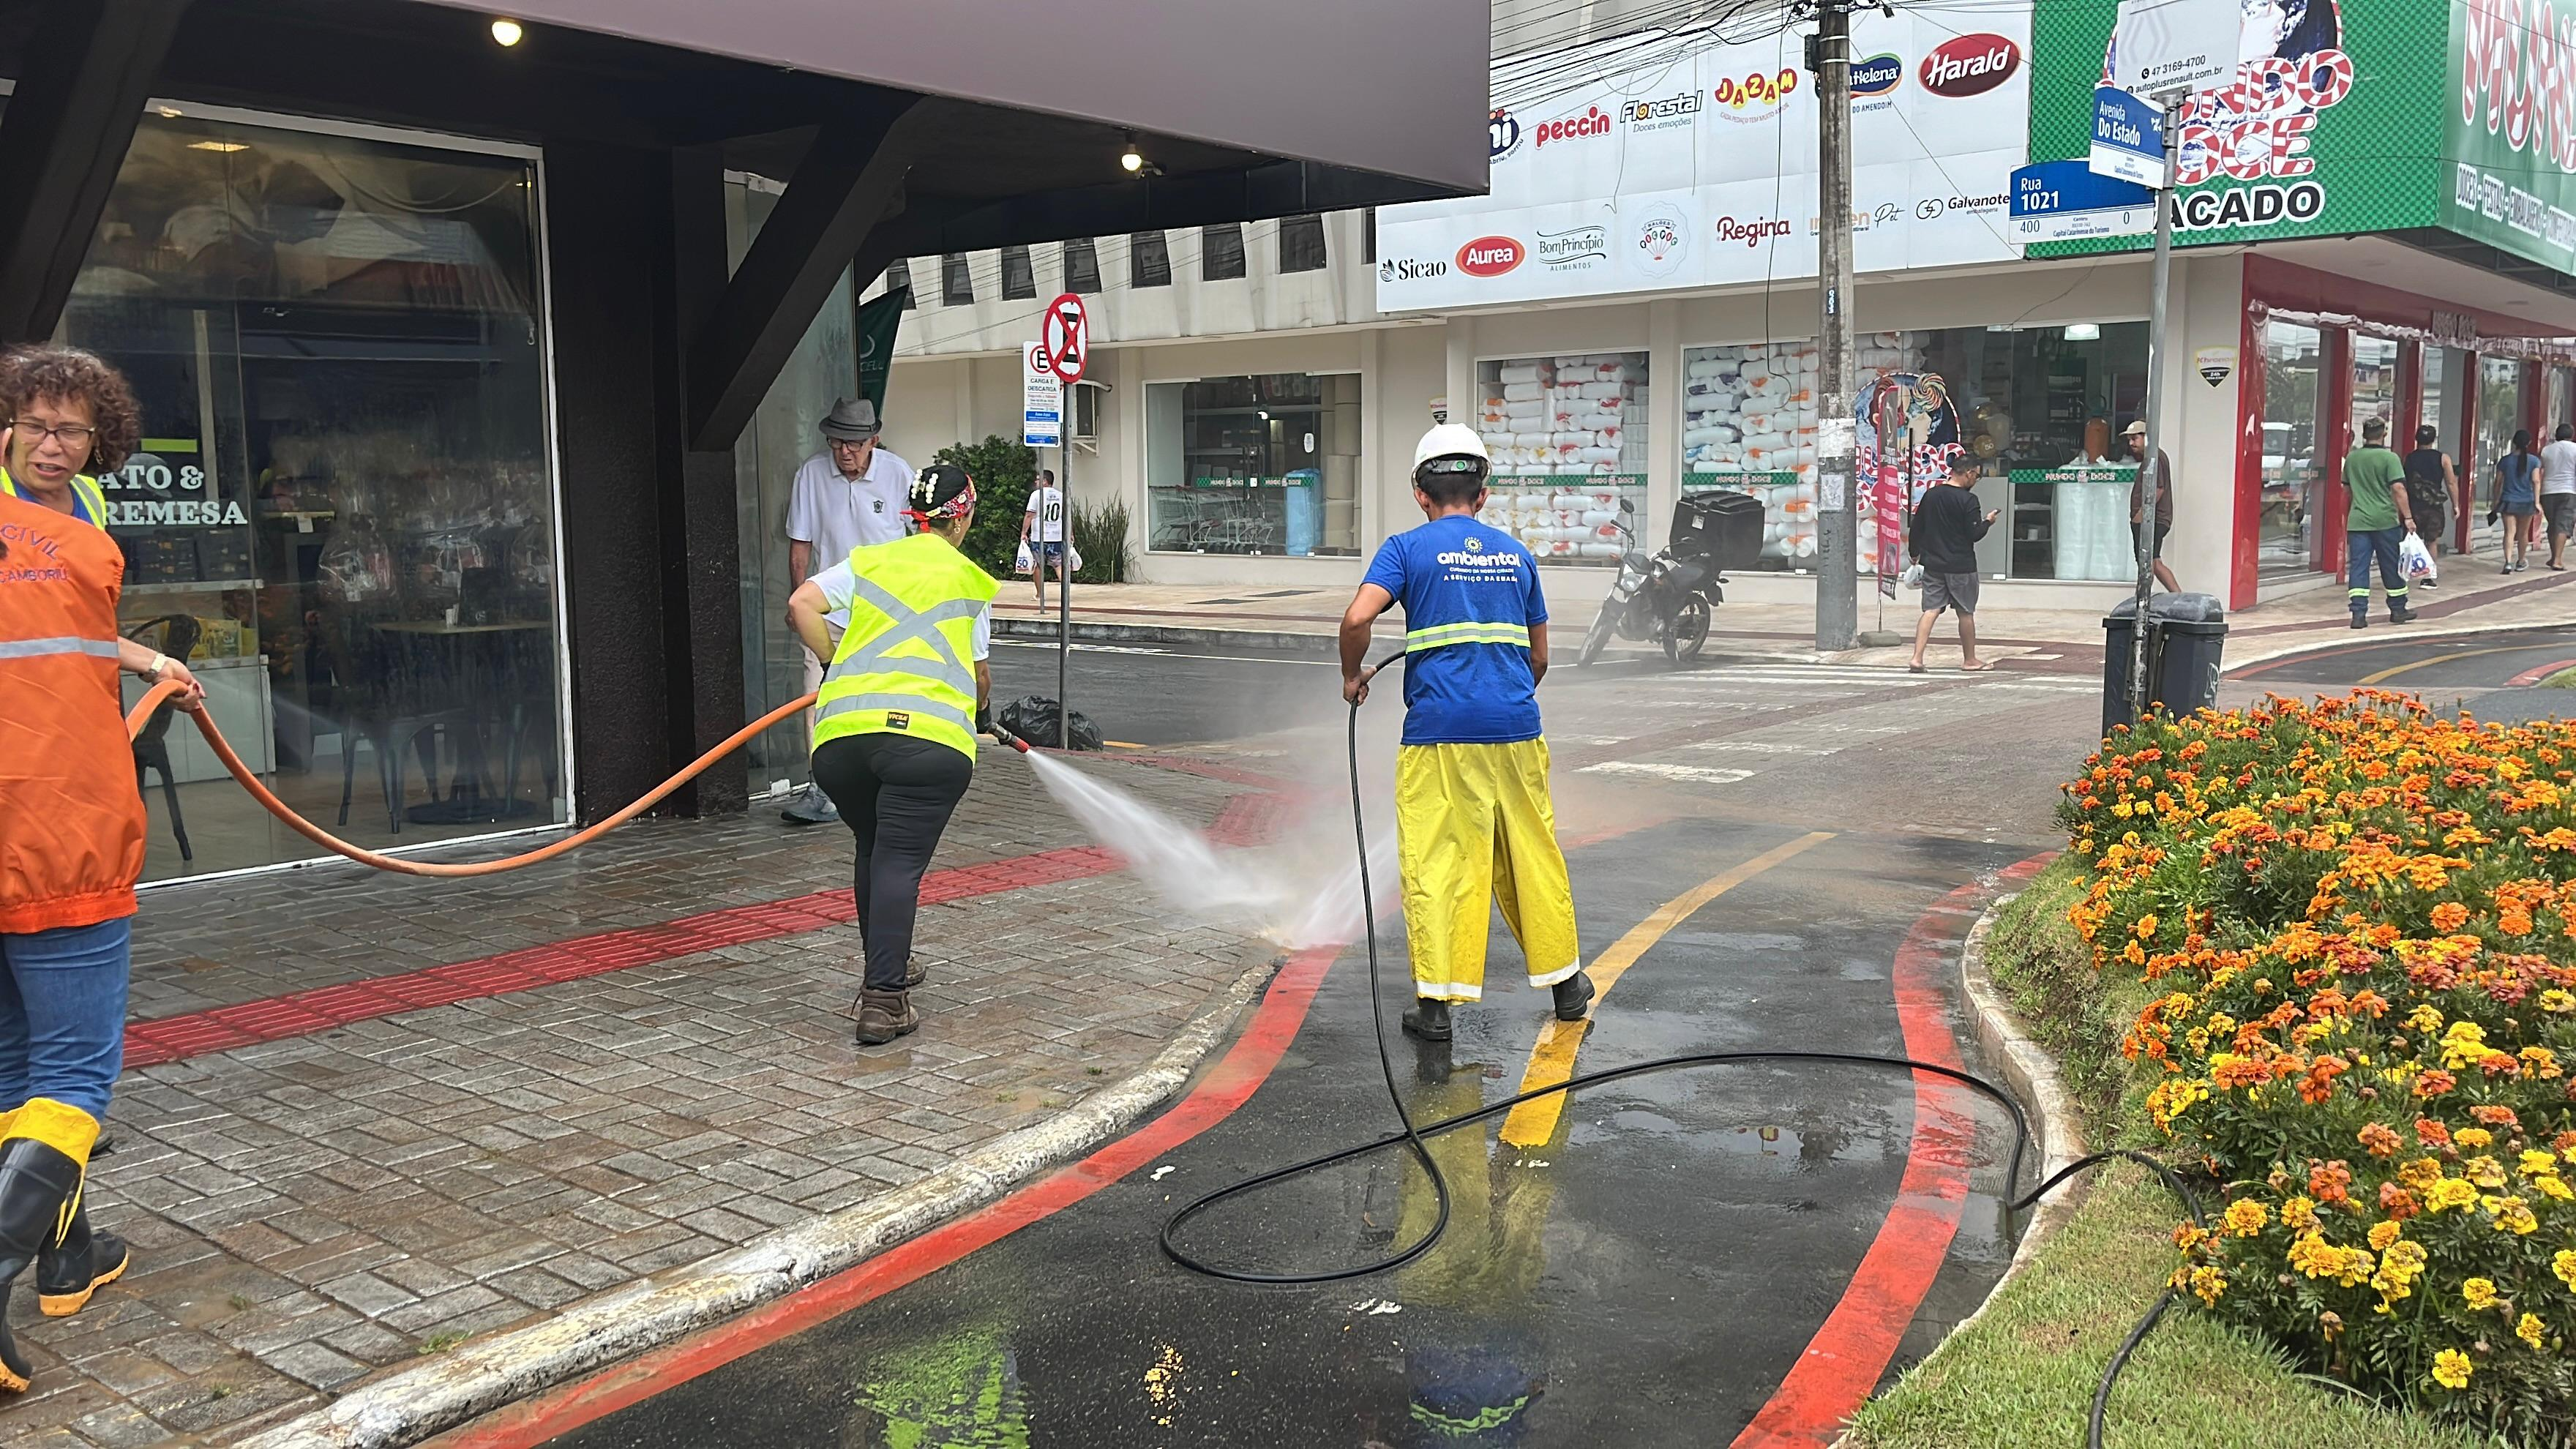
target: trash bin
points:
(2186, 634)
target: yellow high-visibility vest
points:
(88, 503)
(905, 665)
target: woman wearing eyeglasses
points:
(71, 818)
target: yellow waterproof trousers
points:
(1473, 824)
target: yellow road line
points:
(2387, 674)
(1551, 1060)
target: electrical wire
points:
(1410, 1134)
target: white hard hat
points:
(1451, 440)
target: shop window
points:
(1149, 260)
(1221, 252)
(2429, 391)
(1568, 439)
(2041, 407)
(1301, 243)
(2293, 463)
(1254, 465)
(342, 510)
(1081, 266)
(899, 282)
(1019, 275)
(2374, 388)
(2499, 409)
(956, 282)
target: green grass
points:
(2563, 679)
(2024, 1373)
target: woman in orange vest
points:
(71, 818)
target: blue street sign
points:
(2063, 200)
(2128, 139)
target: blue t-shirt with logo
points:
(1470, 594)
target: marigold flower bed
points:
(2364, 920)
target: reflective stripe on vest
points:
(1436, 635)
(71, 644)
(88, 503)
(903, 664)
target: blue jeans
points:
(2360, 547)
(62, 1014)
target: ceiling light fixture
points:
(2083, 331)
(1131, 159)
(506, 31)
(226, 146)
(167, 113)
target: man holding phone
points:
(1944, 541)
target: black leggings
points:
(896, 795)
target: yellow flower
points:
(2384, 1233)
(2480, 1293)
(2484, 1171)
(2425, 1018)
(2473, 1137)
(2451, 1369)
(2564, 1265)
(2530, 1329)
(2453, 1192)
(2208, 1283)
(2464, 1045)
(2245, 1217)
(2513, 1216)
(2539, 1164)
(2299, 1214)
(2558, 1002)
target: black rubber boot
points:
(1429, 1019)
(1573, 996)
(885, 1015)
(36, 1182)
(77, 1264)
(2401, 615)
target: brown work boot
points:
(885, 1015)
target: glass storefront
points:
(2374, 389)
(1254, 465)
(2040, 407)
(1568, 439)
(2293, 465)
(785, 432)
(342, 510)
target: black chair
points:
(152, 747)
(374, 691)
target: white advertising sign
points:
(1042, 408)
(2159, 47)
(1685, 167)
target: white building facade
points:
(1629, 315)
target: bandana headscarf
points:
(927, 507)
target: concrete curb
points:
(2380, 633)
(487, 1374)
(1282, 641)
(2031, 1073)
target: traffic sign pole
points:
(1064, 339)
(2167, 197)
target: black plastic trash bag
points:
(1038, 719)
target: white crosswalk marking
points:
(1699, 774)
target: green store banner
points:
(2509, 114)
(2341, 119)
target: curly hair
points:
(32, 374)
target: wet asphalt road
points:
(1645, 1275)
(2392, 658)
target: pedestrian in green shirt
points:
(2378, 520)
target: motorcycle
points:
(1666, 599)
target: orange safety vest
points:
(71, 818)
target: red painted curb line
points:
(1842, 1364)
(1227, 1086)
(1244, 819)
(2531, 677)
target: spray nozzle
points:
(1006, 737)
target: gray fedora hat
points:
(851, 420)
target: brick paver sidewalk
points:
(367, 1116)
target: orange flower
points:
(2450, 916)
(2329, 1183)
(2379, 1138)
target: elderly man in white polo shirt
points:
(847, 496)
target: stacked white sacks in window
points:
(1750, 411)
(1562, 432)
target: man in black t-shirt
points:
(1944, 541)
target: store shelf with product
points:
(1567, 436)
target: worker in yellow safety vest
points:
(894, 734)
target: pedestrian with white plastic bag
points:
(2415, 561)
(2379, 521)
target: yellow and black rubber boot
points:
(77, 1262)
(41, 1162)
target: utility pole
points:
(2166, 197)
(1837, 434)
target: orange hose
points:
(153, 698)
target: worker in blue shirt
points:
(1473, 818)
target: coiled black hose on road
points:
(1411, 1134)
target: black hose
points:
(1411, 1134)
